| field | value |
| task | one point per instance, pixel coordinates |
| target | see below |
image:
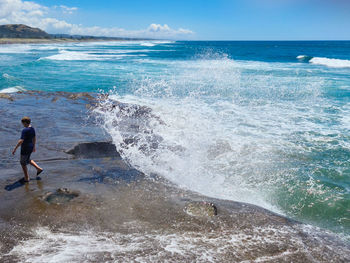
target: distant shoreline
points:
(4, 41)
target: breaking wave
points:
(203, 130)
(328, 62)
(12, 89)
(331, 62)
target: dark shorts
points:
(25, 159)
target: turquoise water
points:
(259, 122)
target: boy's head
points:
(26, 121)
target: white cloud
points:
(36, 15)
(158, 28)
(153, 31)
(66, 9)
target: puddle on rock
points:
(61, 196)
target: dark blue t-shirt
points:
(27, 136)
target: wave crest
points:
(331, 62)
(304, 58)
(12, 89)
(323, 61)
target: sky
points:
(188, 20)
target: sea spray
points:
(230, 135)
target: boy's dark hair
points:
(26, 120)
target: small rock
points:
(6, 96)
(201, 209)
(94, 150)
(79, 95)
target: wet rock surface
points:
(116, 213)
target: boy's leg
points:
(25, 171)
(24, 161)
(38, 168)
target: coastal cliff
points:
(22, 31)
(23, 34)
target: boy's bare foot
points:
(39, 172)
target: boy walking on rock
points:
(27, 143)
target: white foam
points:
(29, 48)
(331, 62)
(80, 56)
(7, 76)
(148, 44)
(221, 65)
(164, 42)
(104, 43)
(154, 43)
(15, 48)
(70, 55)
(124, 51)
(88, 246)
(12, 89)
(47, 47)
(301, 56)
(119, 43)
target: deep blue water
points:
(259, 122)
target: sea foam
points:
(70, 55)
(81, 56)
(147, 44)
(88, 246)
(7, 76)
(15, 48)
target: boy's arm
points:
(20, 141)
(34, 141)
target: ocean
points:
(266, 123)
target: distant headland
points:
(19, 33)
